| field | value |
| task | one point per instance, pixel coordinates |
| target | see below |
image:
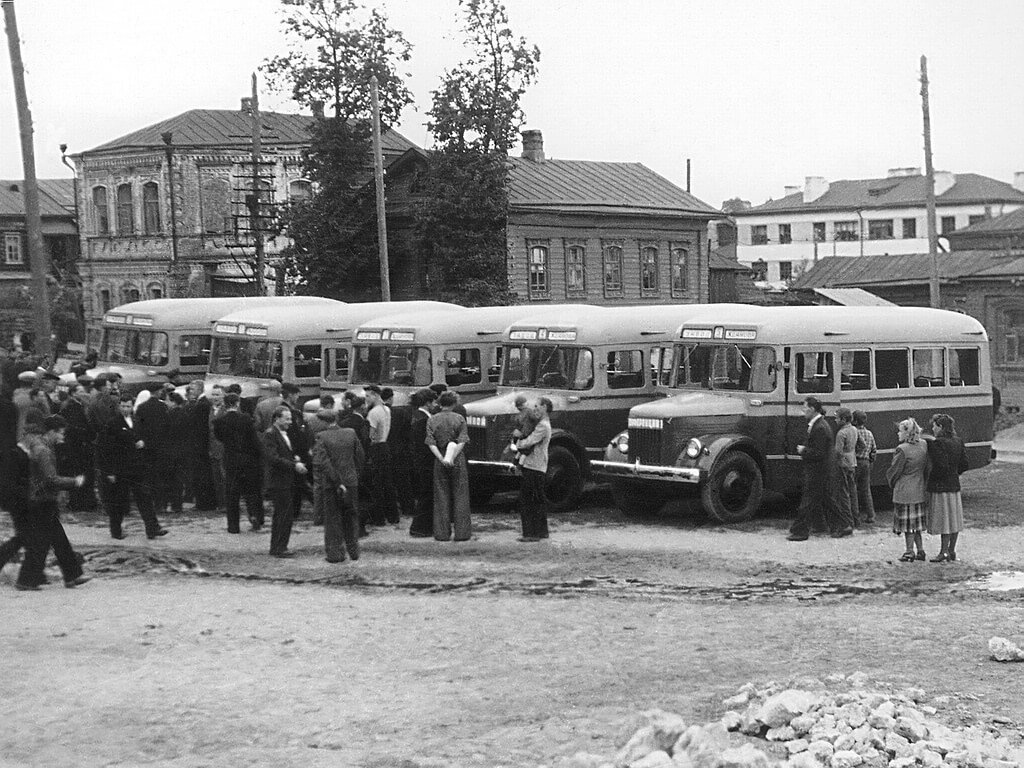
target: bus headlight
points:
(622, 443)
(694, 448)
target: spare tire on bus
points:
(564, 481)
(734, 488)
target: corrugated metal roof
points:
(853, 297)
(898, 191)
(56, 197)
(839, 271)
(581, 185)
(1008, 222)
(226, 127)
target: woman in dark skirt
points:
(906, 476)
(948, 459)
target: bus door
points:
(336, 367)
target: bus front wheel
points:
(564, 480)
(733, 489)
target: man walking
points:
(382, 484)
(243, 457)
(338, 460)
(817, 460)
(281, 466)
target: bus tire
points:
(564, 480)
(630, 500)
(734, 488)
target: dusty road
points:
(199, 650)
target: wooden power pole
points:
(933, 238)
(33, 224)
(378, 178)
(256, 201)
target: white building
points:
(862, 217)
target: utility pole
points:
(255, 206)
(929, 185)
(378, 179)
(33, 224)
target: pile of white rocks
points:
(838, 723)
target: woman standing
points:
(948, 461)
(906, 476)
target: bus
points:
(310, 348)
(161, 340)
(462, 349)
(594, 364)
(728, 432)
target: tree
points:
(475, 118)
(335, 47)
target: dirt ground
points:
(200, 650)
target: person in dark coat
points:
(338, 457)
(400, 446)
(77, 455)
(324, 419)
(817, 454)
(197, 410)
(948, 460)
(302, 442)
(178, 467)
(123, 473)
(422, 464)
(103, 407)
(14, 497)
(243, 458)
(153, 427)
(281, 465)
(44, 526)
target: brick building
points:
(586, 232)
(60, 239)
(138, 240)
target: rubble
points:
(841, 723)
(1003, 650)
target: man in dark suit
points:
(77, 450)
(243, 457)
(280, 466)
(817, 456)
(153, 427)
(14, 495)
(422, 464)
(401, 449)
(123, 473)
(338, 457)
(302, 443)
(196, 412)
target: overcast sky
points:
(757, 94)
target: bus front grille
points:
(477, 448)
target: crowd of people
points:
(359, 463)
(924, 477)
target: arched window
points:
(575, 270)
(130, 293)
(215, 205)
(106, 301)
(680, 266)
(648, 270)
(539, 284)
(155, 291)
(613, 270)
(299, 191)
(151, 208)
(100, 211)
(125, 210)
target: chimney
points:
(814, 187)
(533, 146)
(1018, 181)
(944, 181)
(246, 104)
(909, 171)
(317, 107)
(791, 190)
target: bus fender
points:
(716, 446)
(566, 439)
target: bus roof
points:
(311, 322)
(185, 314)
(816, 324)
(605, 325)
(470, 324)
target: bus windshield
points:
(244, 357)
(127, 345)
(393, 366)
(725, 366)
(552, 366)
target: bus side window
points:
(625, 369)
(494, 372)
(814, 373)
(964, 370)
(336, 364)
(855, 371)
(308, 360)
(891, 369)
(929, 367)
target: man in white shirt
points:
(384, 500)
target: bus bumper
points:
(638, 471)
(493, 468)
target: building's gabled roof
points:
(909, 269)
(56, 197)
(576, 186)
(892, 192)
(232, 128)
(1008, 223)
